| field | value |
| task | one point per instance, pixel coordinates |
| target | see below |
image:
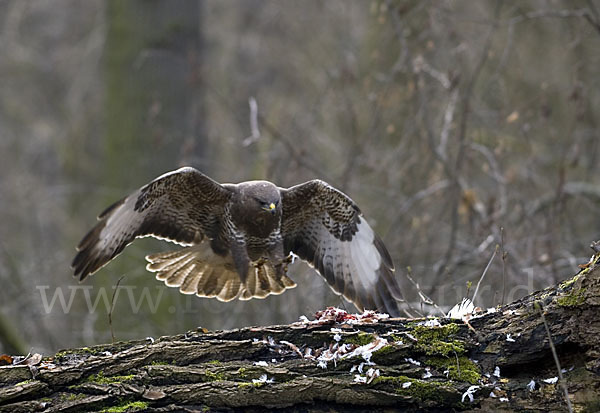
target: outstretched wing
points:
(324, 227)
(181, 206)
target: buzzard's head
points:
(259, 207)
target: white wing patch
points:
(353, 264)
(123, 222)
(365, 255)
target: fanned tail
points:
(197, 270)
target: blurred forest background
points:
(457, 126)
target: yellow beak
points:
(270, 208)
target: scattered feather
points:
(367, 350)
(337, 337)
(427, 373)
(33, 360)
(509, 338)
(372, 374)
(261, 363)
(412, 361)
(262, 379)
(531, 385)
(360, 379)
(469, 393)
(462, 310)
(503, 399)
(406, 384)
(413, 338)
(432, 322)
(551, 380)
(497, 372)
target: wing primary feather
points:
(324, 227)
(180, 206)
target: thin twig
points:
(553, 349)
(461, 138)
(457, 364)
(254, 131)
(504, 255)
(112, 306)
(424, 298)
(484, 272)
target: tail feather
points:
(197, 270)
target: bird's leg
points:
(281, 267)
(240, 259)
(276, 256)
(287, 261)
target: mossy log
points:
(497, 362)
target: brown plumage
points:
(238, 239)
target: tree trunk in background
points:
(153, 102)
(153, 117)
(502, 361)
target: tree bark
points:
(339, 365)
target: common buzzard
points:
(239, 238)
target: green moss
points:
(100, 378)
(388, 354)
(21, 383)
(212, 376)
(127, 407)
(76, 352)
(243, 385)
(242, 372)
(159, 363)
(419, 389)
(436, 341)
(383, 351)
(215, 362)
(73, 396)
(569, 282)
(360, 339)
(461, 369)
(573, 299)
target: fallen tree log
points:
(499, 361)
